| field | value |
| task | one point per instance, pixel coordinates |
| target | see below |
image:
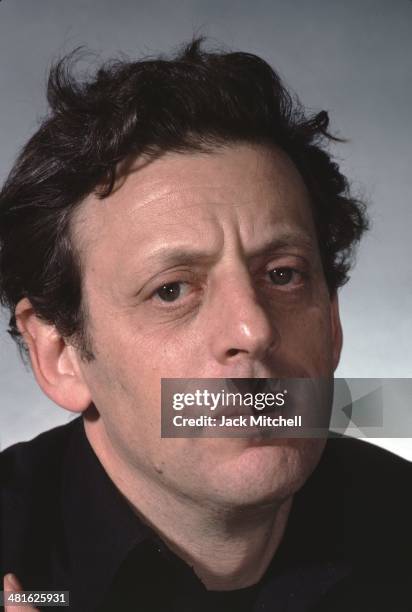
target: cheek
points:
(139, 350)
(306, 337)
(127, 397)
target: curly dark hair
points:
(195, 100)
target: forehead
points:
(247, 190)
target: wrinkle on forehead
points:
(238, 176)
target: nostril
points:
(232, 352)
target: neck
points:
(228, 547)
(231, 549)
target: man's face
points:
(180, 279)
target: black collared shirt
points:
(65, 526)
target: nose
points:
(241, 326)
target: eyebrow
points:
(180, 256)
(295, 238)
(186, 255)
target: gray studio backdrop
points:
(353, 58)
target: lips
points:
(248, 386)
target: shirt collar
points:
(100, 527)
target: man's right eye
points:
(170, 292)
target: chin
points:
(268, 472)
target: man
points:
(180, 219)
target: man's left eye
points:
(282, 276)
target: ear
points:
(337, 336)
(55, 364)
